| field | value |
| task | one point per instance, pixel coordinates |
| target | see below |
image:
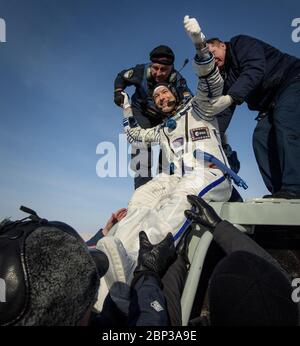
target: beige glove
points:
(215, 105)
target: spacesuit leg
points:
(211, 184)
(156, 208)
(122, 248)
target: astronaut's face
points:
(218, 49)
(160, 73)
(164, 99)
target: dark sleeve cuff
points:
(94, 240)
(238, 100)
(146, 274)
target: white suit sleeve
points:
(137, 136)
(210, 86)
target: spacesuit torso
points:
(190, 134)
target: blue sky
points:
(56, 92)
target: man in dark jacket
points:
(144, 77)
(148, 304)
(248, 287)
(269, 82)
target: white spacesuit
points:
(158, 206)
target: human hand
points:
(155, 258)
(193, 30)
(118, 97)
(115, 217)
(216, 105)
(203, 213)
(127, 111)
(120, 214)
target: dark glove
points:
(202, 213)
(232, 158)
(118, 98)
(155, 259)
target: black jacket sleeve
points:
(250, 56)
(128, 77)
(231, 240)
(224, 119)
(148, 304)
(94, 240)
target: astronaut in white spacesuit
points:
(189, 129)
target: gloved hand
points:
(127, 110)
(193, 30)
(157, 258)
(118, 98)
(204, 213)
(232, 158)
(216, 105)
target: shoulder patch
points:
(128, 74)
(200, 133)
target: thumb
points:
(186, 19)
(144, 241)
(168, 240)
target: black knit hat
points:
(246, 290)
(47, 274)
(162, 55)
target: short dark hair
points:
(214, 40)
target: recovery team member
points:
(269, 82)
(144, 77)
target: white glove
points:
(127, 111)
(193, 30)
(215, 105)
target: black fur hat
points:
(47, 274)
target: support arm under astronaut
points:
(141, 138)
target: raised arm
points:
(135, 134)
(208, 100)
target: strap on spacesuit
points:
(226, 170)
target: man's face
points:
(219, 52)
(160, 72)
(164, 99)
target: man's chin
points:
(219, 63)
(167, 109)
